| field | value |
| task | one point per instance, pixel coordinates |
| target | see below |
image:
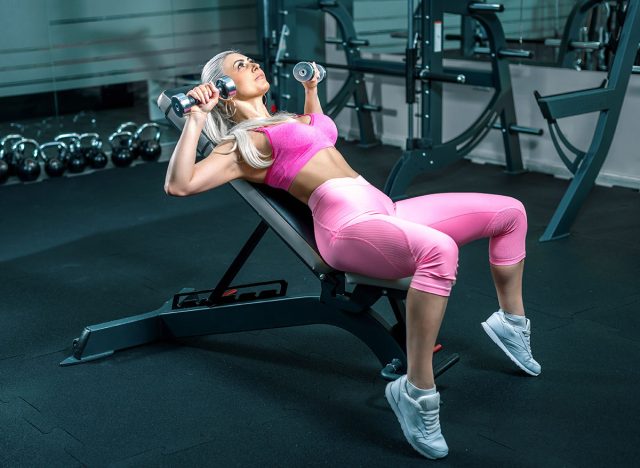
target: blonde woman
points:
(357, 227)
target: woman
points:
(357, 227)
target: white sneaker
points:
(513, 340)
(419, 419)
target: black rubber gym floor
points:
(85, 250)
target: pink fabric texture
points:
(361, 230)
(294, 144)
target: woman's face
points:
(248, 76)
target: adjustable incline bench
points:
(344, 300)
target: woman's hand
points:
(207, 95)
(313, 82)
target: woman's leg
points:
(385, 246)
(469, 216)
(424, 316)
(508, 282)
(466, 217)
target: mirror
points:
(575, 34)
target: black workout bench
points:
(345, 300)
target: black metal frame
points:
(607, 100)
(428, 152)
(195, 313)
(227, 308)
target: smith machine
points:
(422, 69)
(424, 72)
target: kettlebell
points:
(7, 155)
(4, 171)
(54, 165)
(150, 149)
(28, 166)
(134, 145)
(120, 148)
(75, 161)
(96, 159)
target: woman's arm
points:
(311, 101)
(182, 162)
(184, 176)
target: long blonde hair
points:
(220, 126)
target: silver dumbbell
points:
(303, 71)
(182, 103)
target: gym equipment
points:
(72, 140)
(4, 171)
(591, 34)
(345, 300)
(75, 160)
(121, 155)
(6, 153)
(133, 144)
(303, 71)
(54, 166)
(95, 157)
(127, 127)
(607, 100)
(149, 149)
(182, 103)
(28, 167)
(423, 64)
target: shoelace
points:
(527, 338)
(431, 419)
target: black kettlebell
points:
(4, 171)
(120, 142)
(28, 166)
(54, 166)
(134, 146)
(74, 159)
(93, 153)
(7, 155)
(149, 149)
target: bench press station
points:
(345, 300)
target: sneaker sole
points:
(396, 411)
(497, 341)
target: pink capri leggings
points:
(361, 230)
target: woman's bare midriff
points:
(326, 164)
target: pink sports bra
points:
(294, 144)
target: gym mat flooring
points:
(84, 250)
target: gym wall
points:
(53, 45)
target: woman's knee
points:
(442, 258)
(436, 272)
(511, 217)
(519, 207)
